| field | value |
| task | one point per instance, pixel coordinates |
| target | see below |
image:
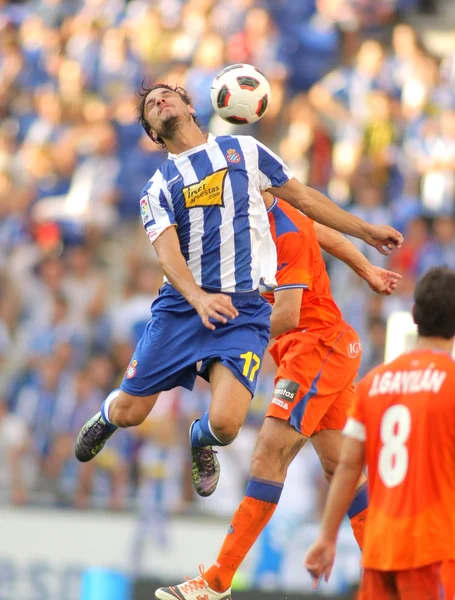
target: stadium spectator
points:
(14, 445)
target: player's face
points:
(165, 110)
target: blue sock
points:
(105, 409)
(202, 435)
(262, 489)
(360, 501)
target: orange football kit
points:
(314, 386)
(405, 413)
(318, 361)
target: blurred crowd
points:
(361, 110)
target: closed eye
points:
(151, 103)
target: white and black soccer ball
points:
(240, 94)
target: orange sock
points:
(249, 520)
(358, 526)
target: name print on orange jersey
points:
(408, 382)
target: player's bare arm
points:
(209, 306)
(286, 311)
(337, 245)
(319, 208)
(321, 555)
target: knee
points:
(225, 429)
(124, 415)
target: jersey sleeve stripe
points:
(274, 169)
(156, 213)
(165, 206)
(291, 286)
(355, 429)
(182, 215)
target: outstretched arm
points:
(380, 280)
(319, 208)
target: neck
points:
(185, 138)
(435, 343)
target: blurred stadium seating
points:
(363, 109)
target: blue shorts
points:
(175, 340)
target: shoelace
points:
(193, 585)
(206, 458)
(96, 429)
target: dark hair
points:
(434, 308)
(144, 92)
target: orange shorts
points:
(416, 584)
(314, 384)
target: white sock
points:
(107, 404)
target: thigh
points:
(336, 391)
(339, 405)
(230, 398)
(166, 355)
(311, 378)
(378, 585)
(295, 394)
(424, 583)
(239, 345)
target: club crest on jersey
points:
(233, 156)
(207, 192)
(131, 370)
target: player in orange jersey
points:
(402, 426)
(318, 355)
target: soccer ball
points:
(240, 94)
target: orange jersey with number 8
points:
(405, 413)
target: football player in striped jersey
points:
(205, 216)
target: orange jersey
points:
(300, 265)
(405, 413)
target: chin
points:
(168, 125)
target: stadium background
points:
(363, 109)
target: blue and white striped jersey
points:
(212, 193)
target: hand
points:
(319, 560)
(216, 306)
(382, 281)
(384, 238)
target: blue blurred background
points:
(363, 109)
